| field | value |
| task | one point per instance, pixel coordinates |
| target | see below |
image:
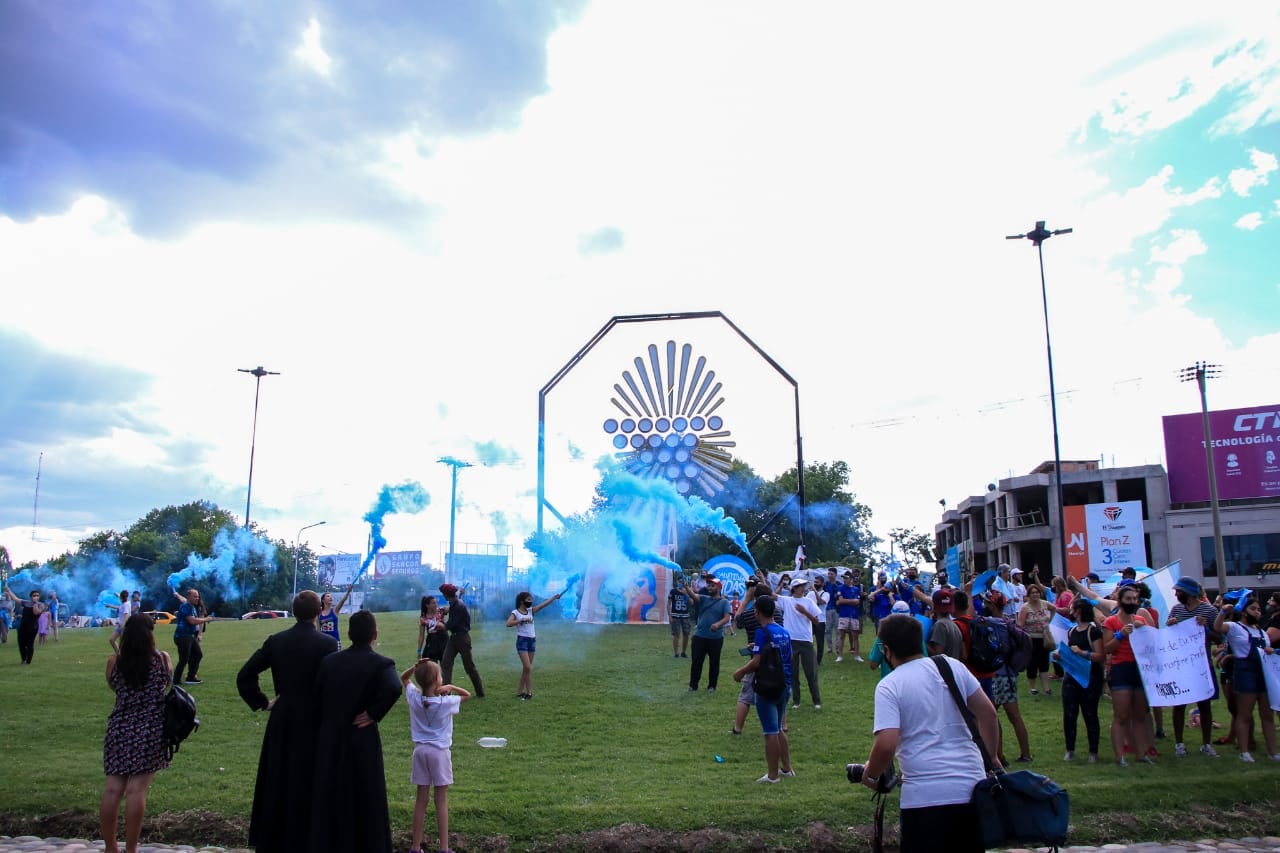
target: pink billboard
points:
(1246, 454)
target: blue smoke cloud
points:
(89, 585)
(501, 527)
(232, 548)
(492, 453)
(408, 497)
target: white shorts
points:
(848, 623)
(432, 765)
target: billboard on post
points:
(1104, 538)
(1246, 454)
(338, 569)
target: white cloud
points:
(1243, 180)
(311, 52)
(1250, 221)
(1185, 245)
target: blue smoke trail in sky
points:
(84, 583)
(408, 497)
(626, 540)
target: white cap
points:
(1016, 571)
(799, 582)
(901, 607)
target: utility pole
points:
(256, 372)
(455, 464)
(1201, 372)
(1037, 236)
(35, 507)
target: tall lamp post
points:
(256, 372)
(295, 555)
(1037, 236)
(1202, 372)
(455, 464)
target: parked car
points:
(160, 617)
(266, 614)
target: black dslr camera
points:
(887, 782)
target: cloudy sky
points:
(418, 213)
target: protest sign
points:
(1074, 665)
(1271, 672)
(1174, 664)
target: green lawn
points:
(612, 737)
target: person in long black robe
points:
(281, 818)
(356, 688)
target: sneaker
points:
(193, 681)
(817, 707)
(1246, 758)
(1147, 759)
(1208, 751)
(1048, 691)
(1123, 763)
(711, 690)
(1034, 692)
(735, 731)
(839, 658)
(767, 780)
(1160, 735)
(674, 655)
(795, 707)
(788, 773)
(1093, 758)
(859, 659)
(1180, 750)
(1070, 756)
(1274, 756)
(683, 655)
(693, 690)
(1024, 759)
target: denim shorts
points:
(1248, 679)
(1125, 676)
(772, 711)
(526, 644)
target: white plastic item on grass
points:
(492, 742)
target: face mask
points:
(1129, 607)
(1250, 619)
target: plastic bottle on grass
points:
(492, 742)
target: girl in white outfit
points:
(432, 705)
(522, 620)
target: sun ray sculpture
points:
(669, 427)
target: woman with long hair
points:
(133, 749)
(327, 621)
(1128, 701)
(1085, 641)
(432, 636)
(1248, 642)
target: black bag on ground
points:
(1012, 807)
(180, 719)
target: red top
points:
(1124, 652)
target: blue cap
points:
(1189, 586)
(1093, 576)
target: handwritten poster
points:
(1173, 663)
(1271, 672)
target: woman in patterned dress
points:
(133, 749)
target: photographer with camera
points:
(939, 761)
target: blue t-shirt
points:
(185, 628)
(780, 638)
(850, 611)
(710, 611)
(881, 604)
(678, 604)
(906, 590)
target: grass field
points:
(612, 737)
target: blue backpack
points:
(988, 644)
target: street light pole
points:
(1037, 236)
(455, 464)
(1201, 372)
(257, 372)
(295, 555)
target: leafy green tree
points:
(912, 547)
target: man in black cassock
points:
(282, 796)
(356, 688)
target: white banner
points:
(1271, 673)
(1174, 664)
(1115, 535)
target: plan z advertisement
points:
(1105, 538)
(1246, 454)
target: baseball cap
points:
(1189, 586)
(449, 590)
(1092, 577)
(901, 607)
(1015, 571)
(942, 602)
(848, 573)
(1129, 570)
(798, 582)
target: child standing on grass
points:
(526, 641)
(432, 704)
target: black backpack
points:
(180, 719)
(988, 644)
(770, 679)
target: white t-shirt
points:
(524, 623)
(431, 717)
(793, 619)
(820, 599)
(937, 758)
(1240, 638)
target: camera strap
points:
(944, 669)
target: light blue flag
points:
(1075, 666)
